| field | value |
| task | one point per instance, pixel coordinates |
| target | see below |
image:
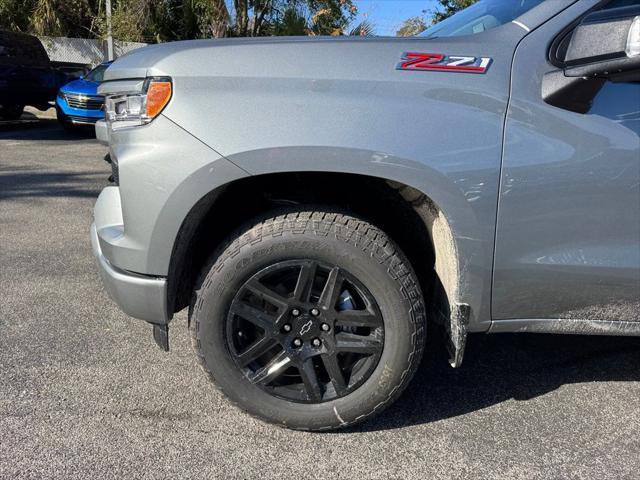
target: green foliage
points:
(75, 18)
(253, 18)
(449, 7)
(165, 20)
(412, 26)
(330, 17)
(14, 14)
(141, 20)
(363, 29)
(292, 23)
(47, 18)
(187, 19)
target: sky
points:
(388, 15)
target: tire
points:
(11, 112)
(375, 283)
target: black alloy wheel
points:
(305, 331)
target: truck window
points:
(620, 3)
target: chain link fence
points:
(83, 51)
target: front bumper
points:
(163, 173)
(102, 132)
(140, 296)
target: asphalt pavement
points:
(85, 393)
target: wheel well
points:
(405, 214)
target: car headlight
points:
(138, 108)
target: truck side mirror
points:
(605, 45)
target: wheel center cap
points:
(306, 327)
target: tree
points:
(331, 17)
(363, 29)
(292, 23)
(234, 18)
(75, 18)
(165, 20)
(253, 18)
(412, 26)
(448, 8)
(14, 14)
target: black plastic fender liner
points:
(457, 330)
(161, 336)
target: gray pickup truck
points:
(319, 204)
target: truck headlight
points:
(138, 108)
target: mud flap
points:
(161, 336)
(457, 331)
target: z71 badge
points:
(444, 63)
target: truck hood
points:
(160, 59)
(272, 56)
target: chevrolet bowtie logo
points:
(306, 327)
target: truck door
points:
(568, 231)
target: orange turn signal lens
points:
(158, 95)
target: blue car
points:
(78, 102)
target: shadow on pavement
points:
(28, 128)
(501, 367)
(30, 183)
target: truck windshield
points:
(481, 16)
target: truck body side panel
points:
(568, 237)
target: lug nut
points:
(325, 327)
(297, 342)
(316, 342)
(315, 312)
(286, 327)
(295, 312)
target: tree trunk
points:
(220, 19)
(242, 17)
(259, 15)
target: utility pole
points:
(109, 34)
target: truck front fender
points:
(463, 254)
